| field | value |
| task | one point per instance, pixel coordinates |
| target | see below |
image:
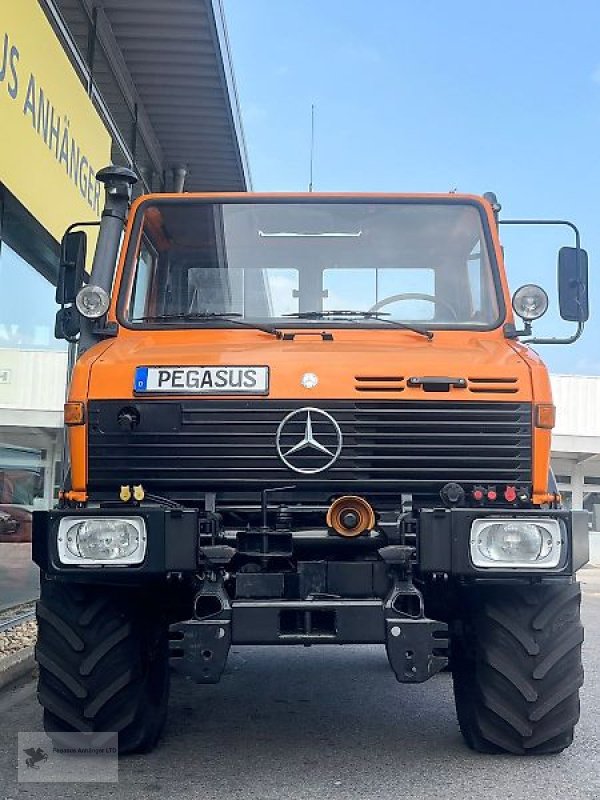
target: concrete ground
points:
(325, 723)
(19, 576)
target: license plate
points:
(202, 380)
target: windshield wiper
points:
(376, 315)
(207, 317)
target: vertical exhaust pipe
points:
(117, 186)
(179, 176)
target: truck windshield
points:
(297, 263)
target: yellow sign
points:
(52, 137)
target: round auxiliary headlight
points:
(530, 302)
(92, 302)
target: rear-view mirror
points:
(573, 284)
(71, 273)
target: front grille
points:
(396, 445)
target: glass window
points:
(141, 294)
(409, 261)
(282, 290)
(250, 293)
(27, 306)
(414, 288)
(33, 368)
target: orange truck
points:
(308, 419)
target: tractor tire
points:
(516, 665)
(103, 663)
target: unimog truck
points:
(308, 419)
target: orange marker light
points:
(74, 413)
(545, 415)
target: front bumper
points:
(417, 648)
(365, 599)
(442, 543)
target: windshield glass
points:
(423, 263)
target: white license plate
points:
(202, 380)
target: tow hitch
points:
(417, 647)
(200, 646)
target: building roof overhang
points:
(171, 72)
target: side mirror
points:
(573, 284)
(68, 324)
(71, 273)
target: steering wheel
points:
(394, 298)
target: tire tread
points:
(103, 663)
(517, 668)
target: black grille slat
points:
(410, 445)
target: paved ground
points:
(19, 581)
(325, 723)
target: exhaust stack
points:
(117, 186)
(93, 299)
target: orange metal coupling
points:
(73, 497)
(350, 516)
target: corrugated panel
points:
(172, 52)
(37, 380)
(177, 57)
(577, 401)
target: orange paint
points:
(106, 371)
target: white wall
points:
(32, 387)
(577, 401)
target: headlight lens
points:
(92, 301)
(102, 540)
(530, 302)
(516, 543)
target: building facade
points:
(84, 84)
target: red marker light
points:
(492, 494)
(478, 495)
(510, 494)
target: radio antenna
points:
(312, 146)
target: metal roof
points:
(169, 63)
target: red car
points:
(15, 524)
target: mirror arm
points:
(513, 333)
(510, 331)
(566, 340)
(71, 228)
(566, 222)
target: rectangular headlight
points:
(533, 543)
(102, 540)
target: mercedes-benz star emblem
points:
(309, 440)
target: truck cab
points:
(309, 419)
